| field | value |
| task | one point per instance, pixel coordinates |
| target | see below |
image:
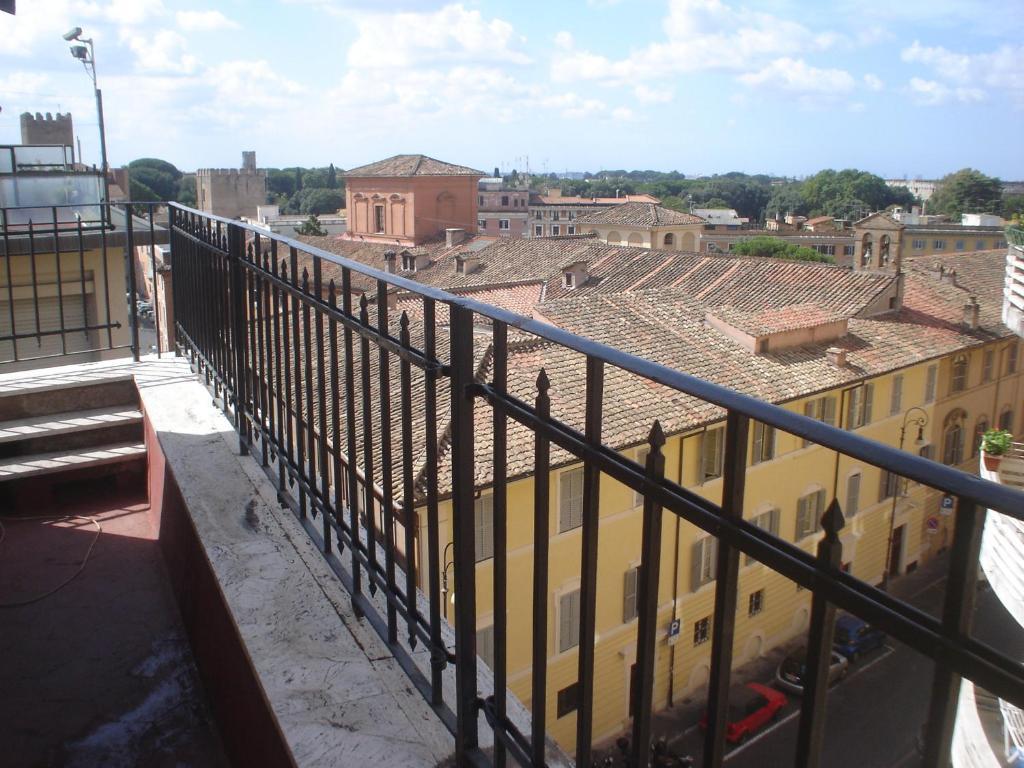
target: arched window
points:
(614, 238)
(883, 250)
(958, 374)
(670, 240)
(953, 437)
(1006, 419)
(866, 246)
(980, 427)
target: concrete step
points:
(53, 425)
(45, 398)
(21, 467)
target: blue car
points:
(854, 637)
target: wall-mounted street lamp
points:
(444, 579)
(919, 418)
(87, 56)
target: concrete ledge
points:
(333, 689)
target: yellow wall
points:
(793, 472)
(20, 268)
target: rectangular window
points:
(959, 245)
(630, 591)
(858, 410)
(504, 201)
(766, 521)
(988, 365)
(763, 447)
(853, 494)
(485, 645)
(378, 219)
(958, 373)
(572, 215)
(555, 216)
(483, 530)
(481, 200)
(918, 245)
(570, 230)
(703, 562)
(641, 459)
(538, 215)
(502, 223)
(701, 631)
(847, 250)
(755, 603)
(896, 396)
(930, 383)
(979, 245)
(568, 699)
(939, 245)
(712, 446)
(925, 452)
(538, 230)
(890, 484)
(809, 510)
(822, 409)
(570, 500)
(1011, 358)
(481, 223)
(555, 229)
(568, 621)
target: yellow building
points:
(646, 225)
(858, 349)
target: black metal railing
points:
(58, 299)
(283, 333)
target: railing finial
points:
(543, 383)
(833, 520)
(656, 437)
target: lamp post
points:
(919, 418)
(88, 58)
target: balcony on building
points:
(285, 494)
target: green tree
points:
(675, 203)
(776, 248)
(281, 182)
(967, 191)
(298, 179)
(186, 194)
(1013, 207)
(317, 201)
(311, 228)
(316, 178)
(141, 192)
(715, 202)
(332, 177)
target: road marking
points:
(922, 590)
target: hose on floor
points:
(73, 576)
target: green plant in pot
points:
(995, 443)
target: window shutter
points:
(758, 442)
(485, 645)
(801, 517)
(852, 495)
(568, 621)
(869, 394)
(563, 502)
(853, 409)
(695, 565)
(629, 606)
(714, 557)
(883, 485)
(819, 509)
(484, 531)
(773, 522)
(809, 411)
(830, 411)
(709, 454)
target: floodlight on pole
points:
(87, 56)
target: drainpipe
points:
(675, 575)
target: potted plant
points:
(994, 444)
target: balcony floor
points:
(100, 671)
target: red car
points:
(750, 708)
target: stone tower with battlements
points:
(232, 192)
(49, 129)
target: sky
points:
(915, 88)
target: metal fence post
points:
(462, 530)
(129, 263)
(236, 304)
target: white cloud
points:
(873, 82)
(932, 93)
(646, 95)
(165, 51)
(564, 40)
(796, 76)
(451, 35)
(204, 21)
(699, 35)
(253, 84)
(967, 76)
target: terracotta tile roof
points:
(579, 200)
(768, 320)
(411, 165)
(640, 215)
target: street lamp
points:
(444, 579)
(88, 58)
(919, 418)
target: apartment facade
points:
(958, 372)
(554, 214)
(502, 211)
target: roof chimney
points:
(389, 262)
(466, 263)
(972, 314)
(836, 357)
(453, 236)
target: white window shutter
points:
(629, 600)
(869, 395)
(830, 411)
